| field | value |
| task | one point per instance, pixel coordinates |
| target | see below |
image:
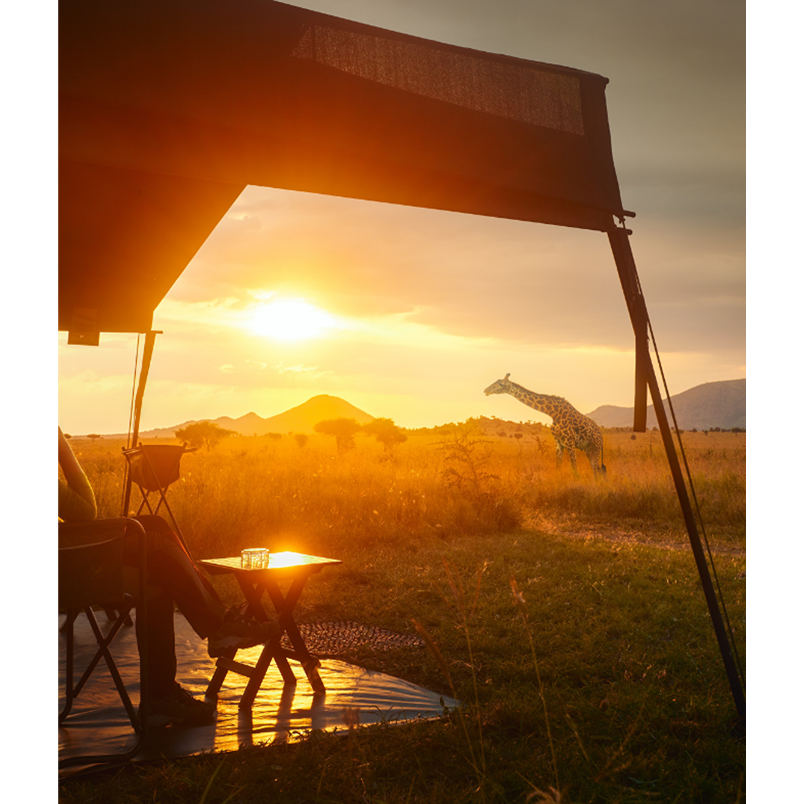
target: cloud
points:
(471, 277)
(676, 103)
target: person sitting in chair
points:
(173, 578)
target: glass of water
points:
(254, 558)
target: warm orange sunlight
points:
(290, 320)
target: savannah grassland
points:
(566, 613)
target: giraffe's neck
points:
(544, 403)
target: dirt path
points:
(665, 539)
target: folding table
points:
(283, 567)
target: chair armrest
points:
(91, 556)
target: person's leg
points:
(158, 643)
(174, 577)
(171, 568)
(168, 702)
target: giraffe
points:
(571, 429)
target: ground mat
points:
(98, 723)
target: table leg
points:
(253, 594)
(256, 673)
(215, 683)
(285, 606)
(270, 651)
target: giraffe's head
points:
(502, 386)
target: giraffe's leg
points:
(595, 454)
(559, 454)
(573, 460)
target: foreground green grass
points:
(637, 703)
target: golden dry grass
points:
(251, 490)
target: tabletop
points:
(286, 560)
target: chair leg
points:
(92, 571)
(72, 692)
(67, 630)
(111, 614)
(72, 689)
(103, 643)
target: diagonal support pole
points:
(147, 353)
(626, 267)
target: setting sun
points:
(290, 320)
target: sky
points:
(410, 313)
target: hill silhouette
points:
(713, 404)
(301, 419)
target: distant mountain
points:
(301, 419)
(713, 404)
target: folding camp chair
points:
(155, 467)
(91, 574)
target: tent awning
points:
(125, 236)
(169, 108)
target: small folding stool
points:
(153, 468)
(91, 574)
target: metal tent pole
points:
(646, 376)
(147, 353)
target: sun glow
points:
(290, 320)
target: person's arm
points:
(76, 498)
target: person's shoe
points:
(238, 632)
(179, 709)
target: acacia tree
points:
(386, 432)
(343, 429)
(203, 434)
